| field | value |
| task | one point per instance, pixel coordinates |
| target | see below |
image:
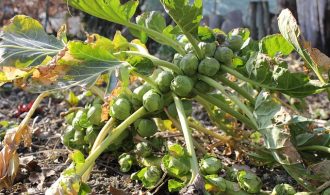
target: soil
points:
(42, 163)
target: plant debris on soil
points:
(42, 163)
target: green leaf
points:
(261, 68)
(274, 44)
(174, 185)
(206, 34)
(187, 16)
(82, 65)
(24, 43)
(111, 10)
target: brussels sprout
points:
(120, 109)
(125, 161)
(164, 80)
(94, 114)
(78, 138)
(187, 106)
(138, 93)
(145, 127)
(326, 192)
(68, 135)
(283, 189)
(208, 48)
(91, 135)
(80, 120)
(249, 182)
(176, 166)
(210, 165)
(152, 174)
(182, 85)
(208, 66)
(177, 59)
(189, 48)
(215, 181)
(235, 42)
(224, 55)
(153, 101)
(143, 149)
(189, 64)
(203, 87)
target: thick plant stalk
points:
(187, 137)
(226, 108)
(238, 89)
(116, 132)
(99, 139)
(200, 128)
(218, 86)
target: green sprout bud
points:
(249, 182)
(182, 85)
(120, 109)
(80, 120)
(145, 127)
(187, 106)
(189, 64)
(208, 48)
(152, 174)
(164, 80)
(177, 59)
(125, 161)
(153, 101)
(91, 135)
(214, 181)
(210, 165)
(175, 167)
(78, 138)
(138, 93)
(208, 66)
(143, 149)
(283, 189)
(326, 192)
(94, 114)
(235, 42)
(203, 87)
(224, 55)
(68, 135)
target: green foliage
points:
(210, 165)
(249, 182)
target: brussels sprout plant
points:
(240, 82)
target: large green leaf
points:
(82, 65)
(269, 75)
(111, 10)
(187, 16)
(273, 123)
(274, 44)
(24, 43)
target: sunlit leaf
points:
(25, 43)
(275, 44)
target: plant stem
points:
(150, 81)
(194, 43)
(237, 88)
(33, 108)
(206, 106)
(159, 37)
(97, 91)
(315, 147)
(100, 137)
(226, 108)
(243, 78)
(206, 131)
(187, 137)
(156, 61)
(218, 86)
(116, 132)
